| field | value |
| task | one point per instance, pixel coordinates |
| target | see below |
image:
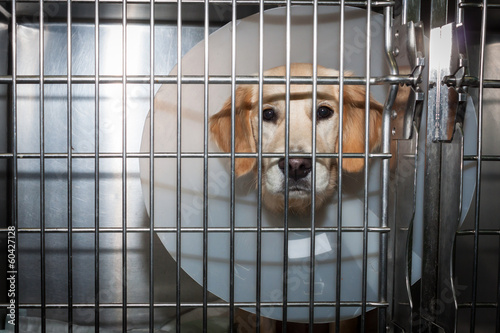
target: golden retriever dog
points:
(300, 135)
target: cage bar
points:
(222, 229)
(210, 155)
(205, 167)
(287, 158)
(124, 168)
(41, 65)
(15, 191)
(365, 169)
(226, 79)
(179, 167)
(232, 216)
(361, 4)
(69, 180)
(312, 248)
(258, 287)
(173, 305)
(385, 315)
(340, 158)
(477, 202)
(96, 168)
(152, 163)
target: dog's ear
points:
(244, 142)
(354, 126)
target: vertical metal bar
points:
(96, 179)
(431, 218)
(410, 11)
(70, 169)
(151, 161)
(459, 12)
(233, 175)
(386, 148)
(205, 168)
(14, 159)
(179, 167)
(479, 166)
(124, 166)
(258, 287)
(497, 320)
(287, 152)
(42, 167)
(313, 169)
(341, 133)
(439, 13)
(432, 180)
(367, 151)
(450, 211)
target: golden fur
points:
(246, 134)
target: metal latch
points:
(409, 53)
(448, 67)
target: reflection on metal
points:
(409, 53)
(439, 310)
(83, 175)
(451, 189)
(410, 11)
(446, 106)
(448, 67)
(4, 123)
(404, 203)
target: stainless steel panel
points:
(4, 139)
(83, 178)
(404, 204)
(4, 123)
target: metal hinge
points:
(409, 53)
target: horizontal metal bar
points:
(214, 79)
(193, 305)
(239, 2)
(478, 5)
(483, 157)
(484, 305)
(472, 81)
(198, 229)
(471, 232)
(190, 155)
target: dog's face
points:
(300, 135)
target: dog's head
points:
(300, 135)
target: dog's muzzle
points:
(298, 168)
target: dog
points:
(300, 135)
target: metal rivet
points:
(394, 131)
(396, 51)
(394, 114)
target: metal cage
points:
(80, 251)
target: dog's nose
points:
(297, 167)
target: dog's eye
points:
(324, 112)
(268, 115)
